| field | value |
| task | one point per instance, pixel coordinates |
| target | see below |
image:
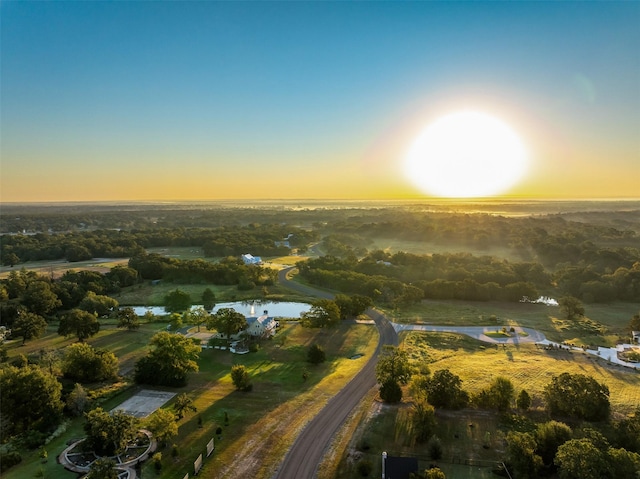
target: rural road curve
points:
(305, 455)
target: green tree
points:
(176, 322)
(39, 298)
(571, 307)
(498, 396)
(579, 396)
(522, 458)
(324, 313)
(627, 432)
(162, 423)
(103, 468)
(98, 304)
(623, 463)
(390, 391)
(85, 364)
(240, 377)
(423, 419)
(444, 390)
(393, 365)
(199, 316)
(183, 403)
(177, 301)
(173, 356)
(127, 318)
(634, 323)
(315, 354)
(580, 459)
(549, 437)
(30, 399)
(77, 400)
(208, 299)
(79, 323)
(10, 259)
(109, 434)
(227, 321)
(28, 326)
(523, 401)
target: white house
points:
(250, 259)
(261, 326)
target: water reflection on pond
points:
(275, 309)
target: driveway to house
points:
(305, 455)
(520, 335)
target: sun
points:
(466, 154)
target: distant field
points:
(426, 247)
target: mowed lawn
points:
(262, 423)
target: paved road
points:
(305, 455)
(523, 335)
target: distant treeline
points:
(259, 240)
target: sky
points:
(165, 101)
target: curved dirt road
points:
(302, 460)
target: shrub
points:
(240, 378)
(316, 354)
(391, 392)
(9, 459)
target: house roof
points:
(400, 467)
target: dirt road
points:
(305, 455)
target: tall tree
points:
(323, 313)
(177, 301)
(127, 318)
(98, 304)
(423, 419)
(28, 326)
(173, 356)
(103, 468)
(240, 377)
(183, 403)
(498, 396)
(571, 307)
(85, 364)
(79, 323)
(199, 316)
(162, 423)
(30, 399)
(108, 434)
(393, 369)
(522, 458)
(578, 396)
(227, 321)
(580, 459)
(208, 299)
(40, 298)
(549, 437)
(444, 390)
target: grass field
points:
(603, 325)
(262, 423)
(465, 434)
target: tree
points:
(103, 468)
(162, 423)
(173, 356)
(98, 304)
(177, 300)
(227, 321)
(571, 307)
(199, 316)
(579, 396)
(323, 313)
(208, 299)
(423, 419)
(183, 403)
(444, 390)
(390, 391)
(623, 463)
(393, 365)
(498, 396)
(523, 401)
(28, 326)
(10, 259)
(352, 306)
(30, 399)
(175, 321)
(549, 437)
(109, 434)
(522, 459)
(123, 276)
(85, 364)
(580, 459)
(315, 354)
(127, 318)
(240, 377)
(77, 400)
(634, 323)
(79, 323)
(39, 298)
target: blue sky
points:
(213, 100)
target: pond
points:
(275, 309)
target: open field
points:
(262, 423)
(464, 434)
(603, 325)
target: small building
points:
(635, 335)
(250, 259)
(395, 467)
